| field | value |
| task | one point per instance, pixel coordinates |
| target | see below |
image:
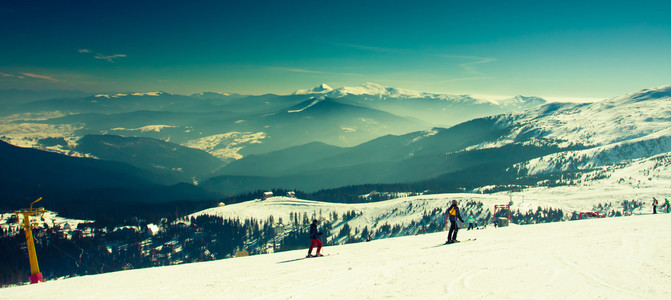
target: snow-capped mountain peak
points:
(203, 94)
(323, 88)
(373, 89)
(380, 91)
(119, 95)
(320, 89)
(158, 93)
(520, 100)
(367, 88)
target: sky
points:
(568, 49)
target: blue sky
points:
(572, 49)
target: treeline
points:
(115, 212)
(96, 247)
(541, 215)
(625, 207)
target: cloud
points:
(296, 70)
(109, 58)
(470, 65)
(368, 48)
(29, 75)
(38, 76)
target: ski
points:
(457, 242)
(330, 254)
(307, 257)
(445, 244)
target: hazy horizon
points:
(567, 50)
(492, 98)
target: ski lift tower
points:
(35, 275)
(501, 207)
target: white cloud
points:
(38, 76)
(368, 48)
(472, 61)
(297, 70)
(109, 58)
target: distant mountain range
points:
(551, 139)
(232, 126)
(438, 109)
(13, 97)
(223, 144)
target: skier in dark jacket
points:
(453, 215)
(654, 205)
(314, 237)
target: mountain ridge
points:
(558, 132)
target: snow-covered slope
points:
(50, 219)
(226, 145)
(614, 258)
(611, 132)
(311, 102)
(595, 124)
(639, 181)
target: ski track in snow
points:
(613, 258)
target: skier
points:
(666, 203)
(453, 215)
(654, 205)
(471, 222)
(314, 237)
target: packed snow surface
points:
(613, 258)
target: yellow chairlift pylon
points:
(35, 275)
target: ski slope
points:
(612, 258)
